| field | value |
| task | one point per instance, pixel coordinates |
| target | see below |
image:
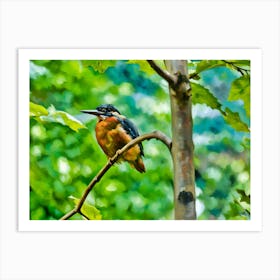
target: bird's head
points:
(103, 111)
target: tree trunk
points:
(182, 142)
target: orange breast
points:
(112, 137)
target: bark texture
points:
(182, 141)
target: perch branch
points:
(156, 134)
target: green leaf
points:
(233, 119)
(99, 65)
(240, 62)
(88, 210)
(244, 197)
(63, 118)
(204, 65)
(51, 115)
(36, 110)
(145, 66)
(240, 90)
(202, 95)
(246, 143)
(208, 64)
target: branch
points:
(156, 134)
(237, 68)
(85, 216)
(164, 74)
(193, 75)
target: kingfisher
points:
(113, 131)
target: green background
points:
(64, 154)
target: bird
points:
(113, 131)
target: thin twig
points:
(156, 134)
(237, 68)
(163, 73)
(193, 75)
(85, 216)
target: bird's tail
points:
(139, 165)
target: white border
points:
(25, 55)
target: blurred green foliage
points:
(64, 154)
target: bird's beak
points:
(93, 112)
